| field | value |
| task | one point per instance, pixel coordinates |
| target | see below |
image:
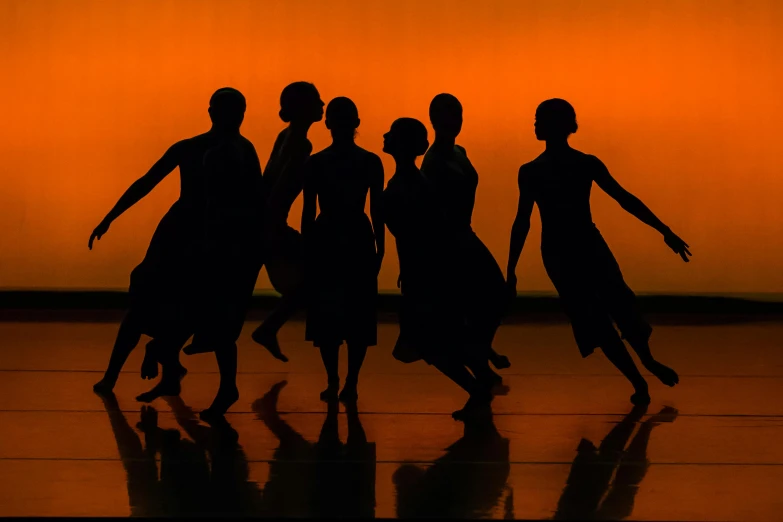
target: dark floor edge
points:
(109, 306)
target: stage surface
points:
(563, 443)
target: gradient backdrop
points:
(681, 99)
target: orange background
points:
(681, 99)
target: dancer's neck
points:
(557, 146)
(444, 144)
(298, 129)
(405, 166)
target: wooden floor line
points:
(414, 461)
(504, 374)
(423, 413)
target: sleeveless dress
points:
(231, 258)
(284, 179)
(162, 292)
(576, 257)
(483, 291)
(432, 321)
(341, 270)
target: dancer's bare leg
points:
(356, 355)
(665, 374)
(618, 355)
(228, 393)
(330, 357)
(128, 337)
(266, 334)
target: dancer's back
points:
(561, 184)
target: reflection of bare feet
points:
(500, 362)
(349, 394)
(268, 403)
(269, 341)
(665, 374)
(477, 404)
(667, 414)
(223, 401)
(163, 388)
(330, 393)
(104, 387)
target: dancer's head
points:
(555, 120)
(406, 140)
(301, 103)
(446, 115)
(227, 109)
(342, 118)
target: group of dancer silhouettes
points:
(198, 276)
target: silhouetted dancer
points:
(322, 479)
(447, 167)
(467, 482)
(163, 293)
(300, 107)
(344, 250)
(432, 322)
(231, 256)
(576, 257)
(603, 482)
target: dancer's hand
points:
(99, 231)
(677, 245)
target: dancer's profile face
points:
(314, 107)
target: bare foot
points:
(104, 387)
(270, 343)
(349, 395)
(665, 374)
(223, 401)
(640, 398)
(500, 362)
(330, 393)
(163, 388)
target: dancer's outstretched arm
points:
(140, 188)
(376, 211)
(635, 207)
(519, 230)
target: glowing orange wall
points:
(681, 99)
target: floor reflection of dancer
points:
(447, 167)
(469, 481)
(603, 481)
(162, 290)
(576, 257)
(186, 483)
(432, 322)
(325, 479)
(344, 250)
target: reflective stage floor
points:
(563, 443)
